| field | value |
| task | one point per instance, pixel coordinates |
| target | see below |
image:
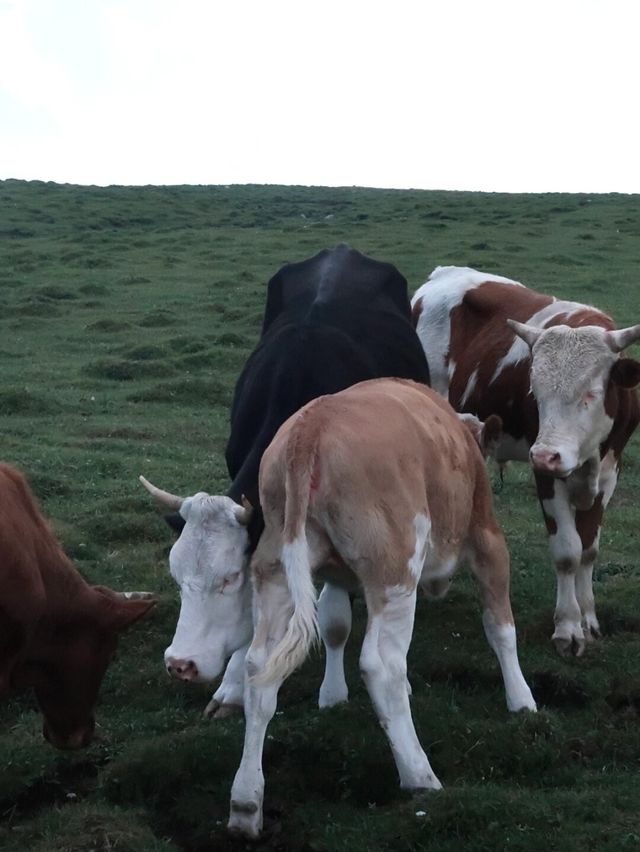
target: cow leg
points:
(383, 663)
(334, 619)
(490, 563)
(566, 552)
(272, 607)
(588, 524)
(229, 696)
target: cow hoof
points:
(591, 630)
(245, 819)
(569, 646)
(216, 710)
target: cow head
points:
(486, 435)
(70, 660)
(210, 564)
(572, 373)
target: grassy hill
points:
(126, 315)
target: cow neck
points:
(65, 589)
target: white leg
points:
(272, 607)
(566, 551)
(229, 696)
(586, 600)
(489, 559)
(383, 662)
(502, 638)
(334, 619)
(588, 526)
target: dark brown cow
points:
(57, 633)
(552, 371)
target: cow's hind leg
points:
(334, 620)
(272, 605)
(490, 563)
(383, 663)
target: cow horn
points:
(623, 337)
(529, 333)
(244, 512)
(136, 596)
(170, 500)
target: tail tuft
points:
(302, 631)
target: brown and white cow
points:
(57, 633)
(381, 485)
(552, 371)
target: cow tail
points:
(302, 630)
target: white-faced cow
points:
(57, 633)
(384, 484)
(330, 321)
(553, 372)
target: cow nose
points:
(547, 461)
(182, 669)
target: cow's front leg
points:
(334, 620)
(229, 696)
(588, 525)
(272, 608)
(566, 552)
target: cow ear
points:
(492, 431)
(117, 612)
(626, 373)
(175, 521)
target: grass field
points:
(125, 317)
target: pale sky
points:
(494, 95)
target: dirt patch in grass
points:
(613, 621)
(146, 353)
(157, 319)
(192, 391)
(126, 433)
(624, 695)
(108, 325)
(186, 345)
(127, 371)
(93, 289)
(20, 401)
(552, 689)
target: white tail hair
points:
(302, 631)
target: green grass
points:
(126, 315)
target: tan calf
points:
(383, 484)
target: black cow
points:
(331, 321)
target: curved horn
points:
(623, 337)
(244, 512)
(529, 333)
(170, 500)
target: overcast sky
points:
(450, 94)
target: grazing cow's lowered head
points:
(209, 562)
(57, 633)
(575, 376)
(67, 671)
